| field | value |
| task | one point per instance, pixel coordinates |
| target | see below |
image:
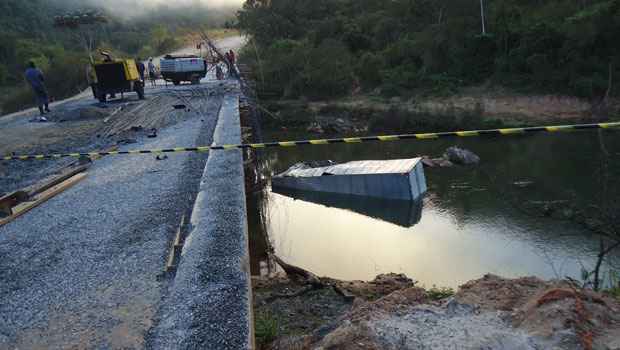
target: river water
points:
(515, 214)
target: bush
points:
(436, 293)
(400, 52)
(4, 74)
(266, 328)
(368, 69)
(167, 45)
(66, 76)
(404, 76)
(281, 71)
(327, 71)
(19, 99)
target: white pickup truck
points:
(183, 68)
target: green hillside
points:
(327, 48)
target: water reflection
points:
(399, 212)
(475, 220)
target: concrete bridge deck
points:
(209, 304)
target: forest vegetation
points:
(322, 49)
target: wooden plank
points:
(42, 197)
(170, 262)
(177, 245)
(10, 200)
(25, 194)
(178, 241)
(55, 180)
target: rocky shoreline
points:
(391, 312)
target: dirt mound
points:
(382, 285)
(489, 313)
(496, 293)
(78, 114)
(593, 318)
(553, 309)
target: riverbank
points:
(473, 108)
(392, 312)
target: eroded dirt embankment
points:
(392, 313)
(359, 114)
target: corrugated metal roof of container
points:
(364, 167)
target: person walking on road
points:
(35, 78)
(152, 72)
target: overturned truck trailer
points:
(394, 179)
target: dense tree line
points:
(28, 33)
(323, 48)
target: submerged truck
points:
(181, 68)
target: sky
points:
(132, 7)
(120, 6)
(208, 2)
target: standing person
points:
(232, 69)
(141, 68)
(228, 60)
(233, 59)
(229, 64)
(35, 78)
(219, 74)
(152, 72)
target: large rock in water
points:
(461, 156)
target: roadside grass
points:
(221, 33)
(614, 280)
(615, 292)
(214, 34)
(438, 293)
(266, 328)
(4, 92)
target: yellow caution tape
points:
(383, 138)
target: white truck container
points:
(183, 68)
(392, 179)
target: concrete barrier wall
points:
(210, 302)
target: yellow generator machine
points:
(113, 76)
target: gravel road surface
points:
(84, 270)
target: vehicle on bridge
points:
(113, 76)
(181, 68)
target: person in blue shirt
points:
(141, 68)
(35, 78)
